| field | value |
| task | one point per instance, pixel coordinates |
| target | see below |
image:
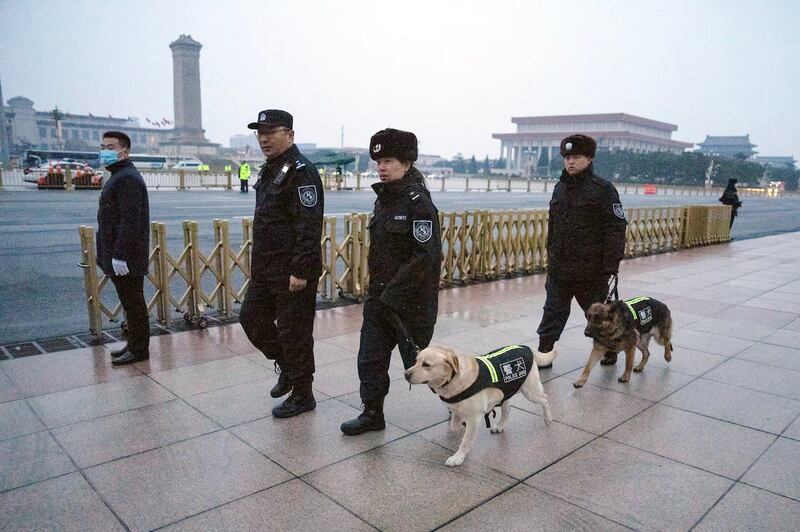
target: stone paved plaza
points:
(185, 441)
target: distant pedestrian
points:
(123, 242)
(244, 177)
(731, 197)
(278, 311)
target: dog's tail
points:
(544, 359)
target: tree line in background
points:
(657, 167)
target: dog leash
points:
(613, 294)
(398, 324)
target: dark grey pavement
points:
(41, 288)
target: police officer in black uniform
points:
(404, 268)
(585, 242)
(278, 311)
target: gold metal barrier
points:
(476, 245)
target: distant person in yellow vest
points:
(244, 176)
(228, 168)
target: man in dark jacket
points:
(123, 242)
(278, 311)
(405, 258)
(585, 242)
(731, 197)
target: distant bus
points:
(38, 157)
(154, 162)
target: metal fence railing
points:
(186, 180)
(476, 245)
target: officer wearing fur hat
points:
(278, 311)
(585, 243)
(404, 267)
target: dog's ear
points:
(451, 359)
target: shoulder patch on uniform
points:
(413, 194)
(423, 230)
(308, 195)
(299, 164)
(619, 211)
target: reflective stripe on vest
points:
(485, 359)
(631, 302)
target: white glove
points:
(120, 267)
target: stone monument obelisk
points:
(186, 90)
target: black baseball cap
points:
(272, 117)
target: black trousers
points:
(557, 305)
(243, 184)
(130, 289)
(280, 324)
(378, 338)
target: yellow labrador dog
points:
(473, 386)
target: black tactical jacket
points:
(586, 228)
(405, 250)
(287, 224)
(123, 220)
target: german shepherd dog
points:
(624, 326)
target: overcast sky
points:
(454, 72)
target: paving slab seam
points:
(80, 471)
(8, 438)
(456, 518)
(337, 503)
(102, 416)
(225, 503)
(739, 481)
(21, 486)
(745, 483)
(760, 363)
(754, 389)
(783, 432)
(140, 373)
(734, 423)
(225, 429)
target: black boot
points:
(301, 400)
(129, 357)
(283, 385)
(370, 419)
(609, 359)
(117, 352)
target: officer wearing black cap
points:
(404, 267)
(585, 242)
(278, 311)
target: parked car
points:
(44, 168)
(52, 175)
